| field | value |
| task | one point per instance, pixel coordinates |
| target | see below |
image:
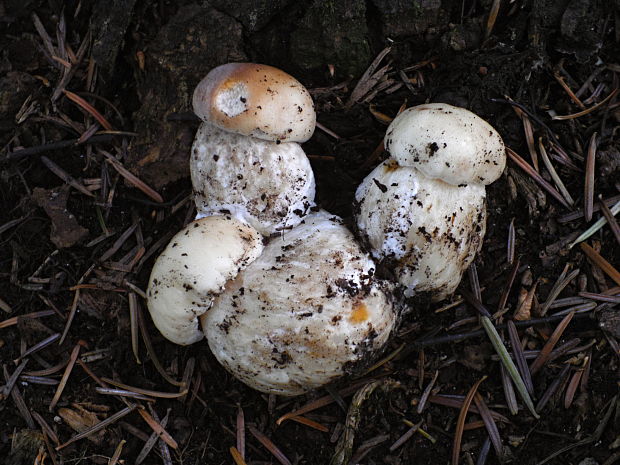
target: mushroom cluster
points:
(284, 313)
(423, 211)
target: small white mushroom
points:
(423, 210)
(427, 231)
(448, 143)
(195, 266)
(267, 185)
(256, 100)
(302, 314)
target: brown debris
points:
(66, 232)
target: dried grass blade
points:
(509, 391)
(344, 449)
(328, 131)
(599, 261)
(405, 437)
(45, 37)
(241, 432)
(557, 288)
(550, 344)
(427, 392)
(89, 109)
(490, 426)
(386, 359)
(122, 392)
(611, 219)
(497, 343)
(38, 346)
(521, 163)
(269, 445)
(45, 427)
(14, 320)
(149, 348)
(484, 452)
(583, 384)
(132, 179)
(310, 423)
(554, 175)
(587, 110)
(572, 388)
(321, 402)
(492, 17)
(588, 196)
(163, 447)
(118, 243)
(66, 177)
(474, 282)
(510, 247)
(612, 299)
(236, 456)
(575, 215)
(365, 84)
(569, 91)
(151, 441)
(458, 403)
(117, 453)
(135, 331)
(517, 350)
(18, 399)
(146, 392)
(529, 137)
(99, 426)
(158, 429)
(8, 387)
(458, 434)
(65, 376)
(513, 274)
(596, 226)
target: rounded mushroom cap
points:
(256, 100)
(448, 143)
(301, 314)
(267, 185)
(193, 268)
(427, 230)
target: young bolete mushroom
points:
(246, 159)
(195, 266)
(423, 210)
(302, 314)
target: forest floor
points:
(82, 220)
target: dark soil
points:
(78, 239)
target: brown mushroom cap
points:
(256, 100)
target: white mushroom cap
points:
(447, 143)
(301, 314)
(427, 230)
(267, 185)
(256, 100)
(195, 266)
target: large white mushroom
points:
(246, 158)
(303, 313)
(423, 210)
(195, 266)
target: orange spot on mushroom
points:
(359, 314)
